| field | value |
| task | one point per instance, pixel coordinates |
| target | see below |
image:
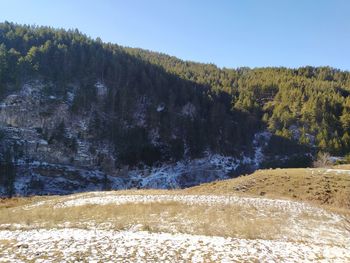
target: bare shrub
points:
(323, 160)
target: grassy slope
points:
(312, 185)
(254, 218)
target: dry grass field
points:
(327, 187)
(272, 215)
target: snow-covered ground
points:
(329, 171)
(105, 198)
(338, 171)
(303, 222)
(308, 234)
(70, 245)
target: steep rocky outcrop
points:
(55, 151)
(77, 114)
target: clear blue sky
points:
(229, 33)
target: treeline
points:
(180, 117)
(309, 105)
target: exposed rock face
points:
(44, 128)
(46, 178)
(43, 179)
(55, 152)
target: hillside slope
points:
(165, 225)
(77, 114)
(322, 186)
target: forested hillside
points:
(64, 58)
(136, 106)
(309, 104)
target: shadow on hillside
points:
(189, 117)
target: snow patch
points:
(184, 173)
(101, 89)
(160, 107)
(139, 115)
(260, 141)
(106, 198)
(154, 137)
(70, 97)
(188, 110)
(71, 244)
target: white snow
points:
(329, 171)
(104, 198)
(101, 88)
(184, 173)
(43, 142)
(338, 171)
(225, 163)
(70, 96)
(309, 234)
(139, 114)
(27, 90)
(187, 173)
(188, 110)
(160, 107)
(261, 140)
(299, 224)
(71, 244)
(154, 136)
(295, 132)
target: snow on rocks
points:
(185, 173)
(160, 107)
(60, 179)
(189, 110)
(70, 244)
(65, 179)
(32, 89)
(140, 110)
(70, 97)
(225, 163)
(101, 89)
(260, 141)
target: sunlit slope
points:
(271, 215)
(319, 185)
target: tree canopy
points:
(309, 105)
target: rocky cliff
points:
(77, 114)
(54, 151)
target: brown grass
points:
(311, 185)
(154, 217)
(18, 201)
(332, 191)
